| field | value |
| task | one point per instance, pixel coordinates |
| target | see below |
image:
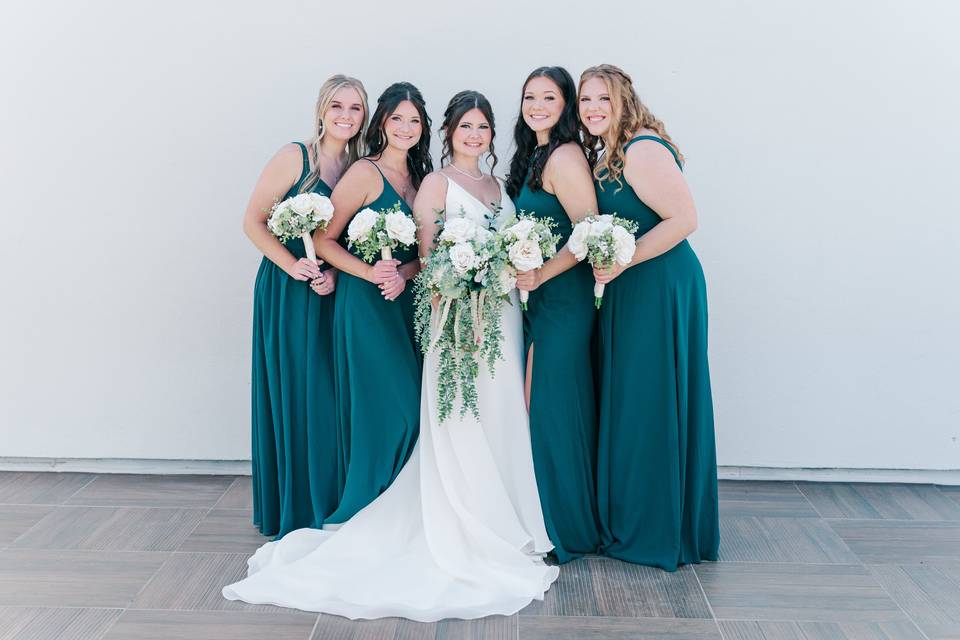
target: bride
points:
(459, 533)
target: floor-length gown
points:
(657, 464)
(459, 533)
(559, 324)
(293, 418)
(377, 374)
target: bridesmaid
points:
(376, 358)
(549, 176)
(657, 469)
(294, 421)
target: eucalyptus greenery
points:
(469, 278)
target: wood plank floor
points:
(110, 557)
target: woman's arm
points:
(430, 200)
(653, 174)
(568, 175)
(349, 196)
(354, 191)
(657, 180)
(275, 180)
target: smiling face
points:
(542, 104)
(344, 117)
(595, 106)
(403, 127)
(472, 135)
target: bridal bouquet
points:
(379, 232)
(298, 216)
(529, 241)
(469, 274)
(603, 240)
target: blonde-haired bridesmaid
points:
(294, 427)
(657, 468)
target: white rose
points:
(521, 230)
(526, 255)
(457, 230)
(624, 245)
(361, 224)
(302, 204)
(578, 240)
(462, 257)
(322, 207)
(401, 228)
(507, 280)
(482, 235)
(600, 226)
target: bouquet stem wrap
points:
(386, 253)
(308, 246)
(598, 294)
(524, 298)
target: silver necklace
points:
(459, 170)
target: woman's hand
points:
(303, 269)
(605, 276)
(529, 280)
(391, 289)
(383, 271)
(325, 283)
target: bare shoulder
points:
(361, 173)
(568, 156)
(648, 151)
(288, 158)
(435, 182)
(433, 191)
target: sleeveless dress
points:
(559, 323)
(377, 369)
(657, 468)
(459, 534)
(293, 421)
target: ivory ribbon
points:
(308, 245)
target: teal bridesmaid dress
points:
(559, 323)
(294, 428)
(377, 367)
(657, 467)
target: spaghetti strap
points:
(672, 151)
(305, 171)
(377, 168)
(306, 159)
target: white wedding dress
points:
(459, 533)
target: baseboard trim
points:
(907, 476)
(129, 465)
(242, 468)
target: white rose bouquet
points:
(298, 216)
(373, 232)
(603, 240)
(529, 241)
(470, 275)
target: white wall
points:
(822, 143)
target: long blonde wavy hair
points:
(629, 116)
(355, 147)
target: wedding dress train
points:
(459, 533)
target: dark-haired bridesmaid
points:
(376, 358)
(657, 468)
(549, 176)
(293, 422)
